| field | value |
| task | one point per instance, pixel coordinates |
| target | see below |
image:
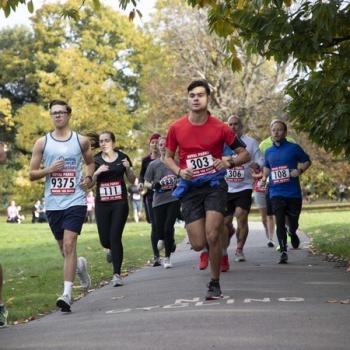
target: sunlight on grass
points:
(33, 265)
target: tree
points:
(316, 34)
(192, 52)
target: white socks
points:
(68, 288)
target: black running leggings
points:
(282, 207)
(148, 199)
(165, 216)
(111, 219)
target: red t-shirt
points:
(199, 145)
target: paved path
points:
(266, 306)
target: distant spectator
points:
(12, 213)
(36, 212)
(341, 189)
(135, 198)
(90, 213)
(42, 212)
(21, 217)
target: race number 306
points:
(280, 174)
(63, 183)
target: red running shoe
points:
(225, 265)
(203, 260)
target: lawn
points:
(33, 266)
(330, 231)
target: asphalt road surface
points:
(266, 306)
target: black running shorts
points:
(197, 201)
(242, 199)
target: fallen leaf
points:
(332, 301)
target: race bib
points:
(168, 182)
(63, 183)
(280, 174)
(235, 174)
(110, 191)
(201, 163)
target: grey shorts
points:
(260, 199)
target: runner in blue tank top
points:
(62, 152)
(284, 163)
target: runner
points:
(62, 152)
(284, 163)
(3, 310)
(240, 184)
(148, 195)
(200, 138)
(270, 217)
(111, 203)
(166, 208)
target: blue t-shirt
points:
(281, 160)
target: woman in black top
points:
(111, 202)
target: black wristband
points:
(178, 173)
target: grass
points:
(33, 265)
(330, 231)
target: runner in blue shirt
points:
(284, 163)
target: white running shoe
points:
(117, 281)
(167, 263)
(64, 303)
(160, 245)
(239, 256)
(82, 273)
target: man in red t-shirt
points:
(200, 139)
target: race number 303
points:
(280, 174)
(201, 163)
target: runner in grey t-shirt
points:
(165, 207)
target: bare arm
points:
(129, 171)
(35, 170)
(172, 165)
(87, 181)
(242, 156)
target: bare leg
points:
(242, 227)
(271, 226)
(70, 255)
(214, 225)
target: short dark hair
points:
(197, 83)
(61, 103)
(274, 121)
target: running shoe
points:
(157, 261)
(117, 281)
(224, 264)
(239, 256)
(270, 243)
(82, 273)
(203, 260)
(294, 240)
(283, 258)
(160, 244)
(167, 263)
(109, 256)
(214, 291)
(3, 316)
(64, 303)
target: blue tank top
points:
(62, 189)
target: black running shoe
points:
(283, 258)
(64, 303)
(157, 261)
(214, 291)
(294, 239)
